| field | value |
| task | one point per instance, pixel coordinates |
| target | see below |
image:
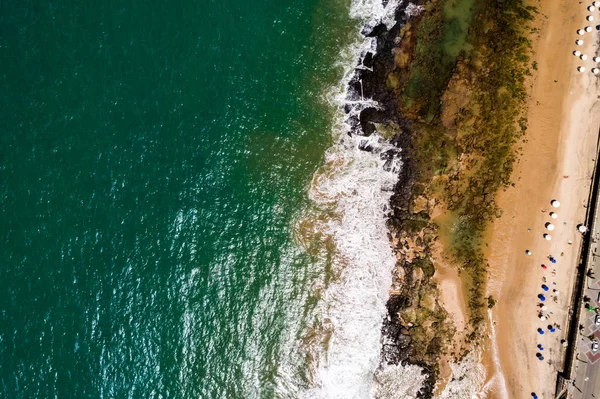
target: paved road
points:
(586, 378)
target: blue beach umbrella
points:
(545, 287)
(542, 298)
(540, 331)
(541, 357)
(553, 260)
(540, 347)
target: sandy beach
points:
(556, 163)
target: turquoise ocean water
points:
(161, 231)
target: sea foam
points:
(353, 189)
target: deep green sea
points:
(163, 232)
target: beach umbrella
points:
(540, 347)
(588, 29)
(538, 354)
(565, 344)
(595, 71)
(527, 252)
(580, 32)
(540, 331)
(544, 267)
(545, 287)
(579, 42)
(596, 3)
(549, 226)
(596, 59)
(544, 307)
(583, 57)
(542, 297)
(555, 291)
(552, 329)
(590, 17)
(553, 260)
(591, 8)
(581, 69)
(556, 203)
(535, 396)
(553, 215)
(582, 229)
(543, 318)
(547, 236)
(576, 53)
(541, 357)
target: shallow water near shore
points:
(179, 215)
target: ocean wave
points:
(351, 193)
(468, 377)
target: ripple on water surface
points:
(156, 161)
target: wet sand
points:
(561, 141)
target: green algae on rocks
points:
(471, 60)
(458, 78)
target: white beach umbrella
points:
(588, 29)
(591, 8)
(596, 3)
(582, 228)
(590, 17)
(581, 69)
(553, 215)
(596, 59)
(527, 252)
(583, 57)
(542, 318)
(595, 71)
(576, 53)
(550, 226)
(580, 32)
(555, 203)
(544, 307)
(579, 42)
(547, 237)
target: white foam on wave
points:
(497, 383)
(353, 189)
(467, 381)
(397, 382)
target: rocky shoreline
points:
(413, 313)
(437, 103)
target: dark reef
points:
(372, 72)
